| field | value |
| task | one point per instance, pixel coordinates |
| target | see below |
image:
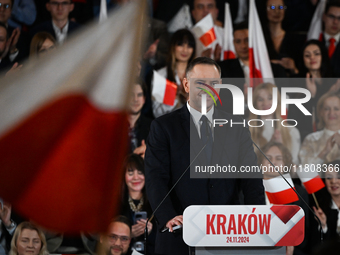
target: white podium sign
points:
(260, 225)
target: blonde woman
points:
(323, 146)
(28, 239)
(272, 130)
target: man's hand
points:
(178, 220)
(13, 40)
(217, 52)
(5, 214)
(286, 63)
(206, 53)
(151, 52)
(15, 68)
(141, 149)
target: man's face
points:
(241, 44)
(137, 100)
(3, 40)
(331, 20)
(118, 239)
(193, 84)
(202, 8)
(59, 9)
(5, 10)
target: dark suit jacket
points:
(48, 27)
(232, 68)
(168, 154)
(335, 60)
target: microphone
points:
(297, 193)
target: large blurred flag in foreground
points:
(315, 28)
(63, 129)
(259, 64)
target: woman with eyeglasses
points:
(135, 203)
(283, 47)
(329, 201)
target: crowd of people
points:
(30, 29)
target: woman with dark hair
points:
(181, 52)
(283, 47)
(135, 200)
(315, 68)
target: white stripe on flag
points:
(203, 26)
(62, 75)
(158, 87)
(315, 28)
(277, 184)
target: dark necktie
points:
(206, 136)
(331, 47)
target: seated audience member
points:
(139, 124)
(239, 67)
(59, 26)
(329, 210)
(182, 51)
(331, 34)
(272, 130)
(283, 47)
(135, 200)
(323, 146)
(28, 236)
(280, 156)
(202, 8)
(41, 43)
(118, 237)
(7, 227)
(12, 33)
(4, 59)
(315, 68)
(23, 13)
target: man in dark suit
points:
(331, 34)
(174, 140)
(59, 26)
(239, 67)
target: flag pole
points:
(316, 201)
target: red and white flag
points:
(64, 130)
(315, 29)
(311, 181)
(259, 63)
(228, 49)
(163, 90)
(278, 191)
(204, 30)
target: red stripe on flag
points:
(208, 37)
(228, 55)
(282, 197)
(66, 162)
(170, 93)
(294, 236)
(314, 185)
(253, 71)
(285, 213)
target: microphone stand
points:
(146, 234)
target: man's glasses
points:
(62, 4)
(332, 17)
(5, 6)
(114, 238)
(276, 7)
